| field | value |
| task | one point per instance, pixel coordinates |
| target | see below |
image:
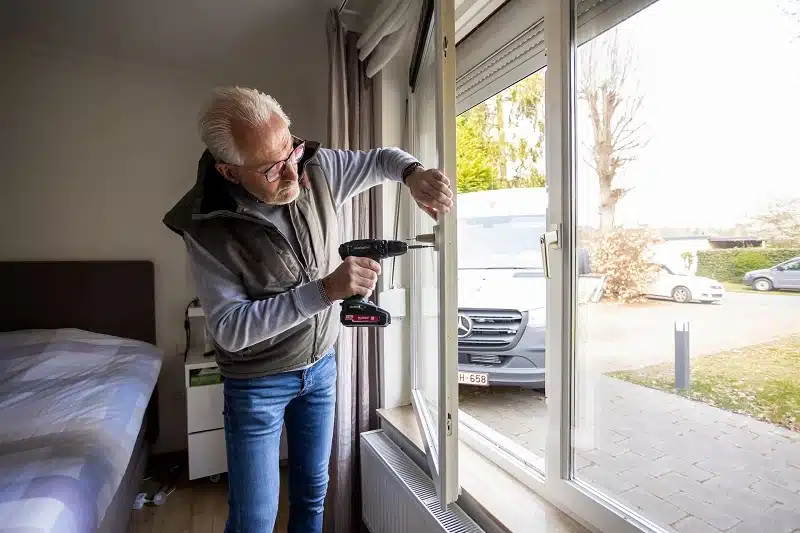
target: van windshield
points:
(500, 242)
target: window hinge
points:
(445, 46)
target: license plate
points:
(473, 378)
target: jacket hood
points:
(216, 189)
(212, 192)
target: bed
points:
(78, 369)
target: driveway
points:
(688, 466)
(623, 337)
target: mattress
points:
(72, 403)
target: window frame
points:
(562, 36)
(440, 436)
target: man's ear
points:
(227, 173)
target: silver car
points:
(785, 275)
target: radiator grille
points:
(491, 329)
(398, 497)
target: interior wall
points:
(96, 150)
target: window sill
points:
(505, 501)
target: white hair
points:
(229, 104)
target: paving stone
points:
(780, 494)
(778, 520)
(652, 507)
(649, 443)
(733, 472)
(690, 524)
(605, 461)
(706, 512)
(784, 477)
(670, 463)
(660, 487)
(603, 480)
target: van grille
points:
(491, 329)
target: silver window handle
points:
(547, 240)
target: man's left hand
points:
(431, 190)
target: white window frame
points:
(440, 436)
(578, 499)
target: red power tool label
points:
(362, 318)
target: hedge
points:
(731, 264)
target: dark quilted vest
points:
(264, 261)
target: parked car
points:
(785, 275)
(684, 288)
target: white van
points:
(501, 286)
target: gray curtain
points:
(350, 124)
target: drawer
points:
(207, 454)
(204, 407)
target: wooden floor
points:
(197, 507)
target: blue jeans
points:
(255, 410)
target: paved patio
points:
(687, 466)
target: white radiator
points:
(398, 497)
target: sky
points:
(721, 87)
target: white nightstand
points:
(204, 423)
(204, 404)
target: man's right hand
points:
(356, 275)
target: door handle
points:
(548, 240)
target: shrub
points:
(731, 265)
(749, 260)
(622, 257)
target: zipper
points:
(294, 227)
(229, 214)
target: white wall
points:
(670, 253)
(95, 151)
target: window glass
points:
(501, 212)
(686, 386)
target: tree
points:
(500, 141)
(622, 255)
(779, 224)
(614, 106)
(476, 153)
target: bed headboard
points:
(109, 297)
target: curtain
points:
(350, 124)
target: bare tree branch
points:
(607, 86)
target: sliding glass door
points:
(668, 373)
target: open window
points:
(431, 109)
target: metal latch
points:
(549, 240)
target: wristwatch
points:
(411, 168)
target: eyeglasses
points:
(275, 171)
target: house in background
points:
(672, 251)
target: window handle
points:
(548, 240)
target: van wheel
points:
(681, 295)
(762, 284)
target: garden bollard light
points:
(682, 380)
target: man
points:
(261, 232)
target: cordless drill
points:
(357, 310)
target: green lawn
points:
(762, 381)
(739, 287)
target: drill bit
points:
(415, 246)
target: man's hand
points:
(356, 275)
(431, 190)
